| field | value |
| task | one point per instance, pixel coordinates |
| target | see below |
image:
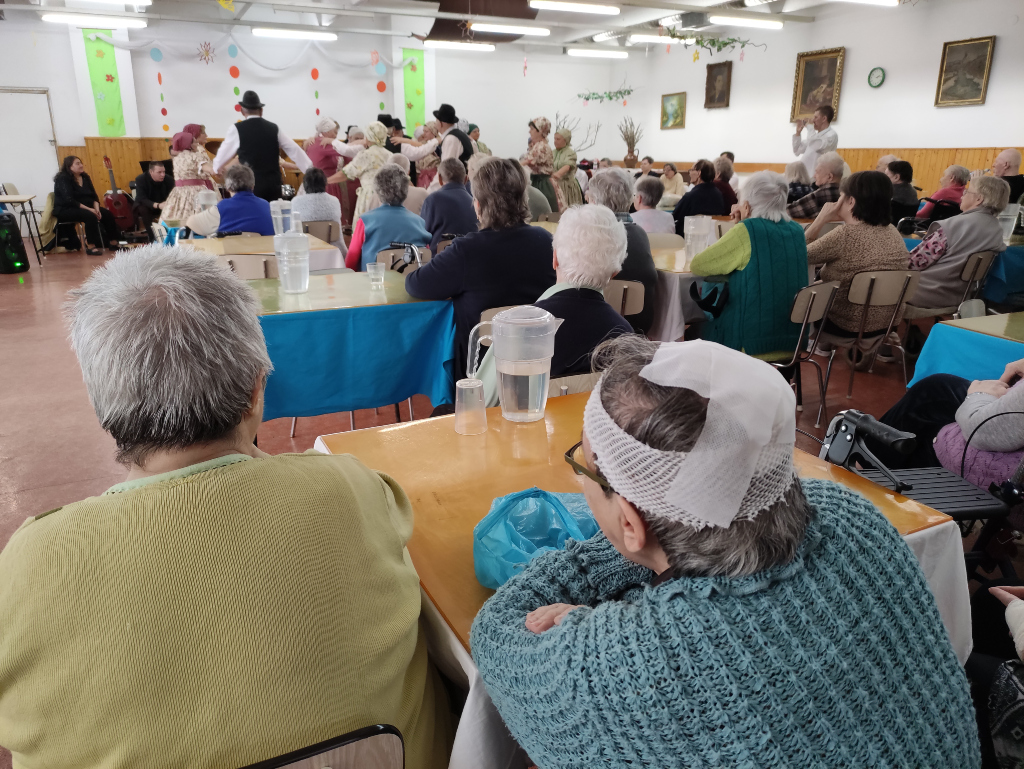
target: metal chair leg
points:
(409, 401)
(821, 392)
(828, 368)
(351, 420)
(799, 388)
(398, 414)
(294, 420)
(853, 370)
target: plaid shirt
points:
(809, 205)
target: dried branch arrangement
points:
(579, 143)
(631, 133)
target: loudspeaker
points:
(12, 248)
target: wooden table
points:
(451, 480)
(252, 256)
(33, 227)
(1010, 326)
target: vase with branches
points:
(631, 133)
(579, 143)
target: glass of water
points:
(376, 272)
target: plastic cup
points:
(376, 272)
(470, 413)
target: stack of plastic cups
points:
(281, 213)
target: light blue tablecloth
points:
(1006, 276)
(339, 360)
(969, 354)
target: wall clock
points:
(876, 77)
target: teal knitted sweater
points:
(837, 659)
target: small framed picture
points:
(963, 72)
(819, 76)
(673, 110)
(719, 83)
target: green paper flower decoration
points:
(709, 44)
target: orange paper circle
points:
(233, 72)
(382, 86)
(315, 73)
(159, 78)
(167, 127)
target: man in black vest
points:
(454, 143)
(257, 143)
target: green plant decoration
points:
(597, 96)
(709, 44)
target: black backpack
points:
(12, 248)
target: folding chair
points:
(973, 274)
(811, 306)
(570, 385)
(325, 231)
(882, 288)
(374, 747)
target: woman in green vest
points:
(763, 259)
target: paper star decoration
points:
(110, 121)
(696, 55)
(110, 78)
(99, 54)
(228, 5)
(206, 53)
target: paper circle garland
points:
(237, 91)
(318, 110)
(374, 57)
(315, 74)
(382, 86)
(232, 50)
(161, 97)
(381, 106)
(316, 94)
(380, 69)
(163, 111)
(167, 127)
(238, 108)
(156, 54)
(159, 78)
(233, 71)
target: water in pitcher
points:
(523, 388)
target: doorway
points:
(28, 160)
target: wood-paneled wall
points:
(929, 164)
(125, 155)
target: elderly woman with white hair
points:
(952, 185)
(613, 188)
(391, 222)
(765, 259)
(217, 585)
(727, 613)
(828, 173)
(242, 212)
(799, 181)
(365, 166)
(589, 248)
(323, 154)
(646, 196)
(942, 254)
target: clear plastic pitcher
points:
(697, 231)
(281, 213)
(1008, 221)
(206, 200)
(523, 341)
(292, 251)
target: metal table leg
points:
(37, 237)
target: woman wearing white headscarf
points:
(366, 165)
(422, 150)
(728, 613)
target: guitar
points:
(119, 204)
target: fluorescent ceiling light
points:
(891, 3)
(659, 39)
(292, 34)
(604, 37)
(597, 53)
(508, 29)
(734, 21)
(458, 46)
(554, 5)
(120, 2)
(95, 22)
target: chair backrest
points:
(943, 209)
(626, 296)
(375, 747)
(389, 255)
(554, 217)
(723, 227)
(972, 308)
(886, 287)
(323, 230)
(9, 189)
(666, 240)
(578, 383)
(812, 303)
(899, 211)
(442, 245)
(977, 266)
(249, 269)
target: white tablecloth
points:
(325, 259)
(483, 741)
(673, 307)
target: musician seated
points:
(151, 191)
(242, 212)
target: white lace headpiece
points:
(742, 462)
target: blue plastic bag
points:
(521, 526)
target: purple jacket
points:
(982, 467)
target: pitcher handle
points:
(474, 350)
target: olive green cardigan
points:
(214, 617)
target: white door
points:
(28, 152)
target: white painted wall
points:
(906, 41)
(490, 89)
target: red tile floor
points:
(53, 452)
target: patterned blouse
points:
(539, 158)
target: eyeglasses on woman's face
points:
(578, 463)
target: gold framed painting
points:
(673, 111)
(718, 85)
(963, 72)
(818, 79)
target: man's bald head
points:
(1007, 163)
(884, 161)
